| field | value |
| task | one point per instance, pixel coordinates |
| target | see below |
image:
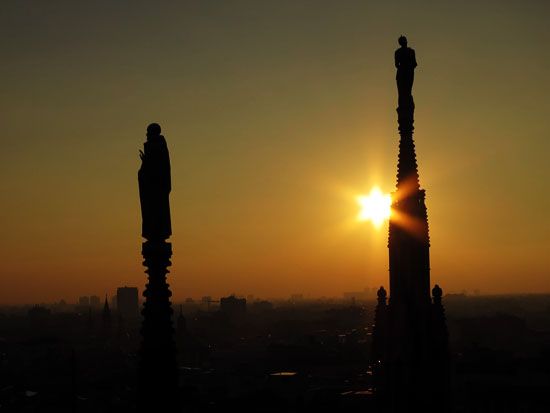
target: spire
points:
(440, 351)
(408, 200)
(379, 327)
(407, 168)
(106, 315)
(158, 371)
(439, 324)
(380, 343)
(410, 341)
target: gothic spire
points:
(106, 316)
(407, 167)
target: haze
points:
(277, 115)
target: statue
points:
(405, 62)
(154, 186)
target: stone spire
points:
(441, 355)
(408, 342)
(379, 333)
(407, 167)
(408, 239)
(158, 375)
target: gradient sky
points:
(277, 114)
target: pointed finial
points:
(382, 295)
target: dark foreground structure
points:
(410, 343)
(158, 377)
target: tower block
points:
(410, 342)
(158, 377)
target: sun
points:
(375, 207)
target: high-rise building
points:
(127, 302)
(410, 343)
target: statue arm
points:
(396, 60)
(414, 59)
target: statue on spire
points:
(411, 360)
(158, 374)
(405, 62)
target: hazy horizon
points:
(277, 115)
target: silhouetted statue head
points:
(402, 41)
(153, 130)
(382, 294)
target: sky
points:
(277, 113)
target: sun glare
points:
(375, 207)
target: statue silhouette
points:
(155, 186)
(405, 62)
(158, 374)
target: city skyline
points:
(272, 138)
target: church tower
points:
(410, 343)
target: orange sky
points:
(276, 113)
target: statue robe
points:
(154, 190)
(405, 62)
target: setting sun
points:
(375, 207)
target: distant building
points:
(127, 302)
(262, 306)
(95, 301)
(38, 315)
(296, 298)
(232, 305)
(61, 306)
(189, 300)
(84, 301)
